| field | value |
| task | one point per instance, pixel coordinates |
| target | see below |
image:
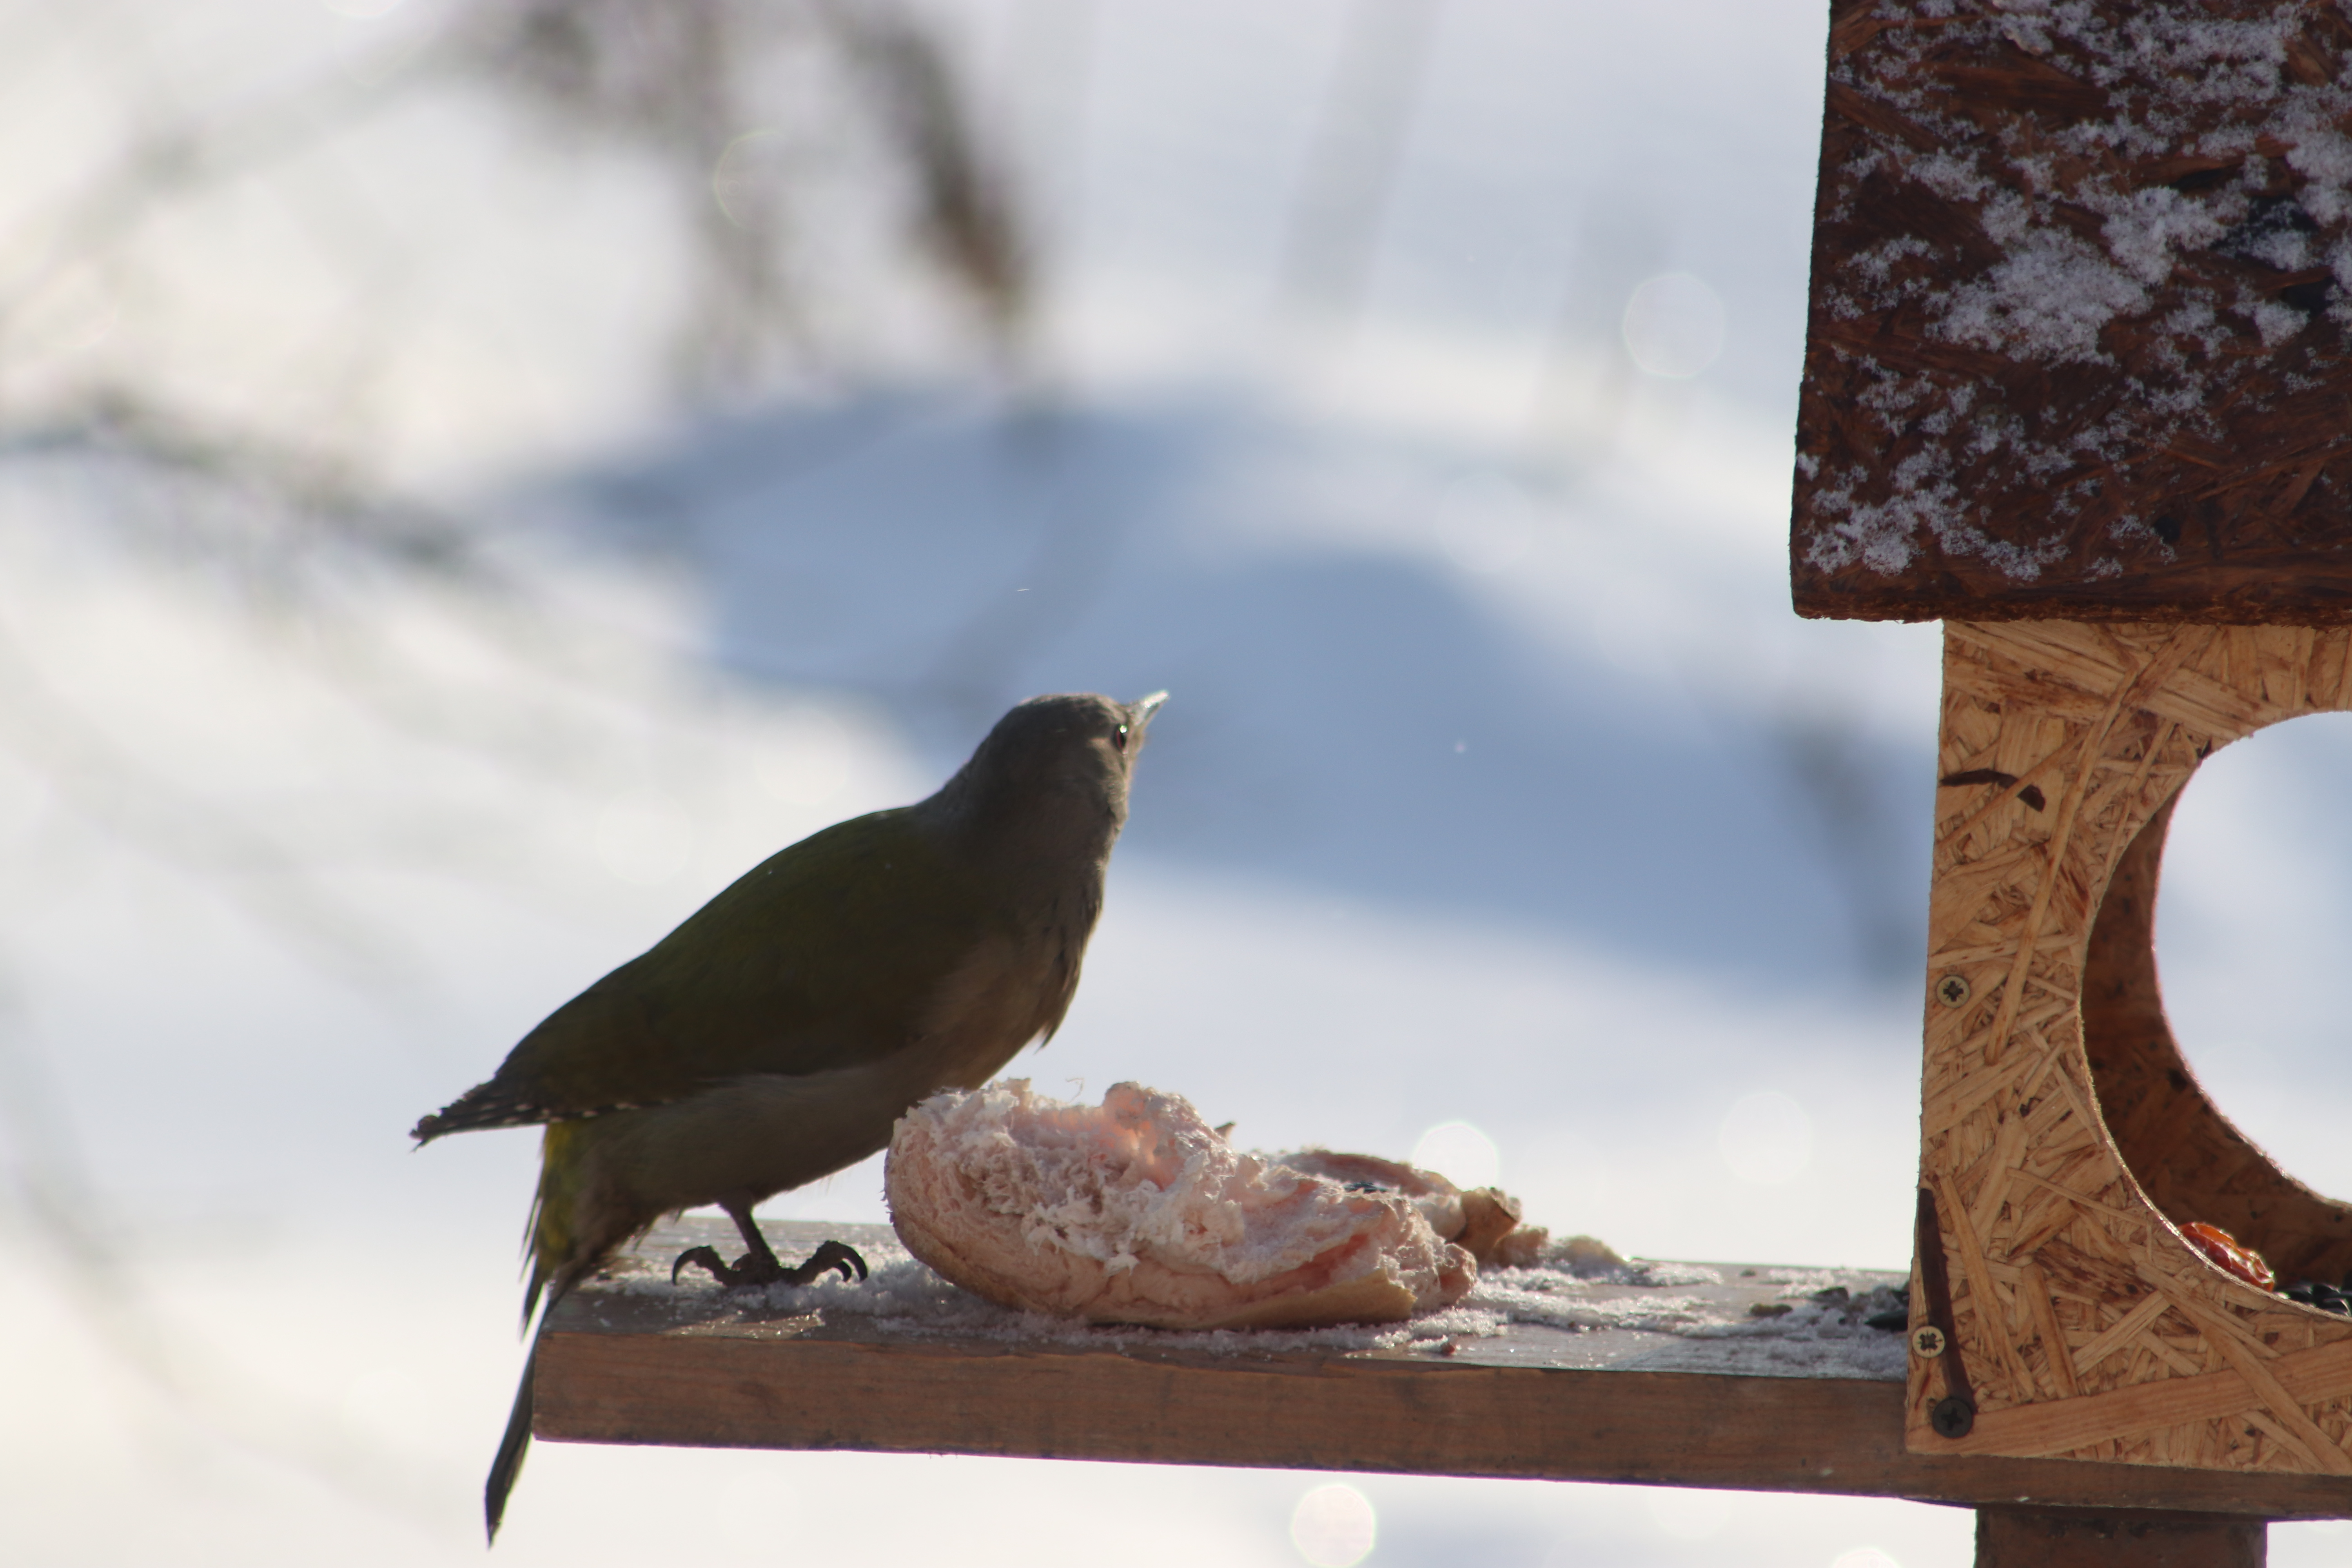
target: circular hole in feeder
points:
(2253, 938)
(2255, 851)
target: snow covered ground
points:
(1502, 810)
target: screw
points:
(1952, 1418)
(1928, 1342)
(1952, 990)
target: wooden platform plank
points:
(1540, 1404)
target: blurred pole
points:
(1359, 138)
(1047, 108)
(1589, 379)
(1872, 847)
(43, 1175)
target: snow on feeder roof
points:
(2080, 332)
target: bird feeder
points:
(2079, 384)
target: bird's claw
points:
(831, 1256)
(707, 1258)
(753, 1269)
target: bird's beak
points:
(1140, 713)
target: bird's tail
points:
(556, 1260)
(512, 1449)
(551, 1244)
(547, 1249)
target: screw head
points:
(1927, 1340)
(1953, 1417)
(1952, 990)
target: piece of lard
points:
(1484, 1221)
(1137, 1212)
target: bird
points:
(777, 1035)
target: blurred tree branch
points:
(814, 167)
(685, 84)
(771, 127)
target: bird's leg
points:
(761, 1266)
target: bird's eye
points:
(1119, 739)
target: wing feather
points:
(825, 956)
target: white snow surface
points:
(902, 1297)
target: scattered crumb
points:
(1586, 1257)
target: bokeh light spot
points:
(1689, 1514)
(1865, 1557)
(1673, 325)
(1460, 1154)
(1333, 1527)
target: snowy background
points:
(1501, 811)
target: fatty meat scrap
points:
(1484, 1220)
(1137, 1212)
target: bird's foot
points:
(752, 1269)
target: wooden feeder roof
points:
(2081, 331)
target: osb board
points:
(2080, 342)
(2086, 1324)
(616, 1366)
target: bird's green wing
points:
(825, 956)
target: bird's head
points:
(1058, 764)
